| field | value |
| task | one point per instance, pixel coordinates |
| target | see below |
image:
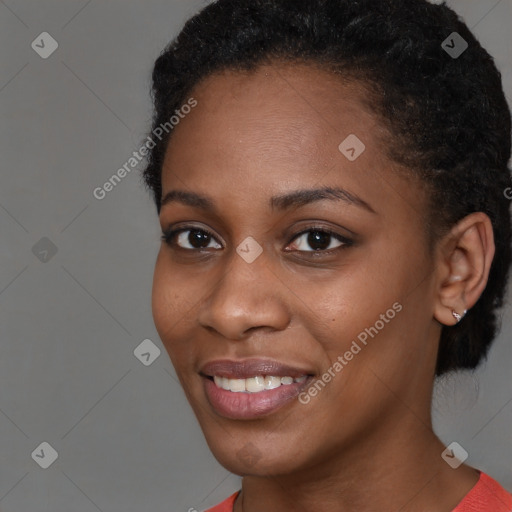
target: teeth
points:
(236, 385)
(272, 382)
(255, 384)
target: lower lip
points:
(244, 406)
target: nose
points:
(247, 296)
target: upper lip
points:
(246, 368)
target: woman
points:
(335, 235)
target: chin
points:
(242, 456)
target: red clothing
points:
(487, 495)
(225, 506)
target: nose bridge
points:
(245, 297)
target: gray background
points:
(125, 435)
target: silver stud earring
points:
(459, 317)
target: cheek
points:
(171, 297)
(361, 330)
(175, 300)
(168, 305)
(162, 303)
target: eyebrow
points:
(189, 199)
(290, 200)
(302, 197)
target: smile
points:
(255, 384)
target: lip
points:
(246, 368)
(246, 406)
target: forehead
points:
(278, 128)
(296, 98)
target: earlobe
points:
(464, 263)
(459, 317)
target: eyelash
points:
(169, 235)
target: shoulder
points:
(226, 505)
(486, 496)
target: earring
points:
(459, 317)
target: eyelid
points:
(170, 233)
(346, 242)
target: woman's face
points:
(266, 271)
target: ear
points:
(464, 260)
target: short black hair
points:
(447, 114)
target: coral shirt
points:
(487, 495)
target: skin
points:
(271, 132)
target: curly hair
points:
(448, 116)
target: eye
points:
(320, 240)
(190, 238)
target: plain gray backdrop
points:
(76, 275)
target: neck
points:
(398, 468)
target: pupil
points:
(198, 238)
(318, 238)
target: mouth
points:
(255, 384)
(248, 389)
